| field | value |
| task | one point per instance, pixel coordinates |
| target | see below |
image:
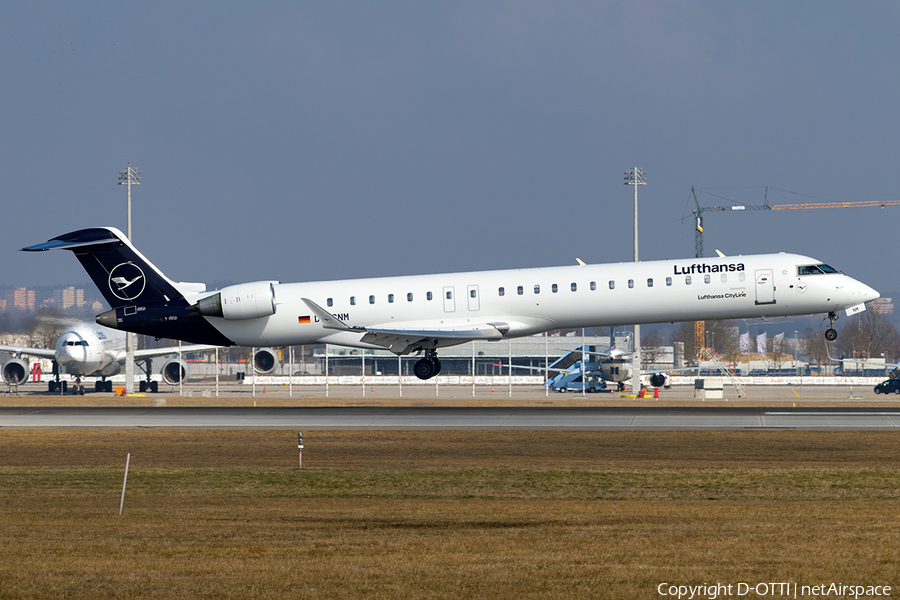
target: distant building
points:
(70, 297)
(883, 306)
(22, 299)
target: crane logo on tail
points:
(126, 281)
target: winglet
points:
(581, 262)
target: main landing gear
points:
(427, 367)
(830, 333)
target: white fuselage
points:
(531, 301)
(86, 351)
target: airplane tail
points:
(122, 274)
(142, 299)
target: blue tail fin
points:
(121, 273)
(143, 300)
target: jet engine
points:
(265, 361)
(237, 302)
(174, 371)
(15, 371)
(659, 380)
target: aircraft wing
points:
(170, 350)
(20, 350)
(404, 341)
(400, 340)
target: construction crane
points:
(698, 212)
(861, 204)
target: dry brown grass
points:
(462, 514)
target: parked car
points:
(889, 386)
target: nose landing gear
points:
(830, 333)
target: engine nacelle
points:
(15, 371)
(659, 380)
(237, 302)
(265, 361)
(174, 371)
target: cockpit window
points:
(77, 343)
(815, 270)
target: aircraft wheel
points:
(98, 386)
(81, 390)
(830, 335)
(51, 386)
(65, 387)
(109, 386)
(425, 369)
(142, 386)
(154, 387)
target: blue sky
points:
(305, 141)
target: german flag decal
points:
(303, 319)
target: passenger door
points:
(765, 286)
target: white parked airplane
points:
(86, 350)
(426, 312)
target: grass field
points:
(449, 514)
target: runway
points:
(450, 418)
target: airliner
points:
(424, 313)
(86, 350)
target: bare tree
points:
(870, 334)
(652, 348)
(813, 346)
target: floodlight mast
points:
(129, 177)
(636, 177)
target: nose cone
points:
(866, 293)
(67, 352)
(872, 294)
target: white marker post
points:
(124, 483)
(300, 448)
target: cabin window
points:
(391, 298)
(724, 277)
(741, 276)
(501, 291)
(352, 300)
(669, 281)
(520, 290)
(472, 293)
(593, 286)
(554, 288)
(537, 289)
(687, 280)
(650, 282)
(409, 297)
(428, 296)
(574, 287)
(329, 302)
(371, 299)
(612, 284)
(449, 294)
(706, 279)
(630, 283)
